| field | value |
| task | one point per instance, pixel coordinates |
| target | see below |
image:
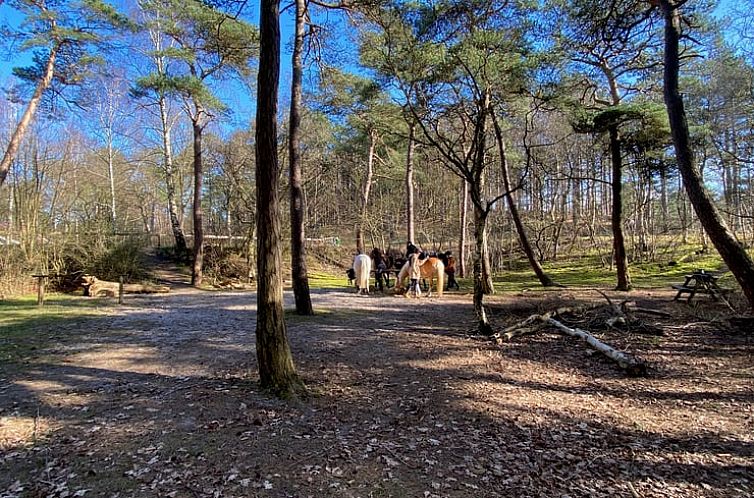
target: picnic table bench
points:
(700, 282)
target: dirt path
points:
(159, 398)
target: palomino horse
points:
(431, 269)
(362, 265)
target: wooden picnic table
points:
(700, 282)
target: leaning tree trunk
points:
(298, 248)
(276, 370)
(544, 279)
(733, 253)
(410, 184)
(197, 269)
(175, 223)
(619, 243)
(366, 192)
(23, 124)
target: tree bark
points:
(664, 199)
(733, 253)
(480, 231)
(487, 283)
(298, 242)
(197, 268)
(478, 184)
(31, 108)
(181, 250)
(277, 372)
(619, 243)
(464, 205)
(366, 192)
(544, 279)
(410, 235)
(111, 177)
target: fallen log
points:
(631, 365)
(94, 287)
(525, 326)
(648, 311)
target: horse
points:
(380, 266)
(432, 268)
(362, 266)
(450, 268)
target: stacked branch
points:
(535, 323)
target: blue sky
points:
(234, 95)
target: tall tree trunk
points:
(197, 269)
(480, 236)
(277, 372)
(365, 192)
(619, 243)
(733, 253)
(111, 178)
(664, 199)
(298, 211)
(480, 138)
(464, 205)
(544, 279)
(31, 108)
(410, 184)
(167, 149)
(487, 283)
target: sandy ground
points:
(159, 398)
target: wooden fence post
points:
(120, 289)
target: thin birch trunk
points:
(464, 206)
(410, 184)
(366, 192)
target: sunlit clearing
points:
(15, 431)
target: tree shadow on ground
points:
(161, 398)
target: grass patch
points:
(26, 328)
(322, 280)
(584, 271)
(588, 272)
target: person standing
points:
(415, 274)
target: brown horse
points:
(432, 268)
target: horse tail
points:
(440, 271)
(402, 276)
(362, 267)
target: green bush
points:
(96, 258)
